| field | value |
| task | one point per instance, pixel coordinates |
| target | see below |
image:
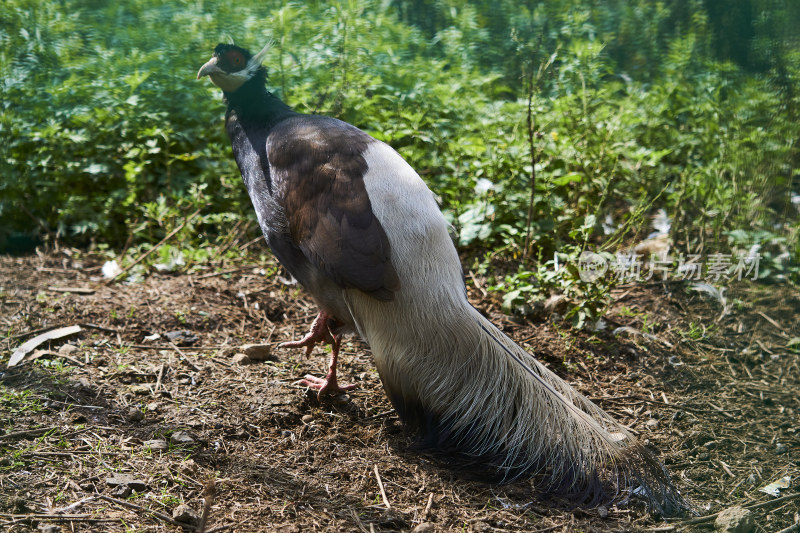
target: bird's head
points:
(231, 66)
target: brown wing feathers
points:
(318, 175)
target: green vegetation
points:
(616, 109)
(19, 402)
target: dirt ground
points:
(118, 432)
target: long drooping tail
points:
(577, 448)
(474, 395)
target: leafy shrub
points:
(109, 139)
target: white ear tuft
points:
(255, 62)
(257, 59)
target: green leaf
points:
(566, 179)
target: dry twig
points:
(27, 433)
(133, 506)
(380, 486)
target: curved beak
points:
(208, 68)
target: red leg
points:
(329, 384)
(319, 333)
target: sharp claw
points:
(324, 386)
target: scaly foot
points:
(326, 385)
(320, 333)
(329, 384)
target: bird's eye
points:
(234, 60)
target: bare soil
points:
(718, 397)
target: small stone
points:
(67, 349)
(703, 456)
(241, 359)
(139, 389)
(651, 423)
(182, 437)
(153, 407)
(257, 352)
(186, 515)
(156, 445)
(182, 338)
(126, 480)
(307, 419)
(602, 511)
(425, 527)
(135, 414)
(735, 520)
(122, 491)
(781, 448)
(49, 528)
